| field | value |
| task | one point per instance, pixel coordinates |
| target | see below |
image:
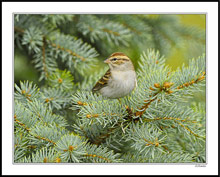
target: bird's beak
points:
(107, 61)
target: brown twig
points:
(21, 124)
(44, 57)
(18, 29)
(68, 50)
(111, 32)
(187, 84)
(94, 155)
(54, 45)
(45, 139)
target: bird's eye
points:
(113, 59)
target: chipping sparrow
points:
(119, 80)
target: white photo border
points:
(208, 8)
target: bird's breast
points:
(120, 84)
(123, 79)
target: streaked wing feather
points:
(102, 82)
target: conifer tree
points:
(62, 121)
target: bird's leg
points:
(119, 100)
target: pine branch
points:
(99, 154)
(27, 92)
(71, 148)
(44, 155)
(103, 29)
(71, 51)
(62, 80)
(56, 98)
(57, 19)
(63, 121)
(147, 139)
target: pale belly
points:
(119, 86)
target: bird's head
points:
(119, 62)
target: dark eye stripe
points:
(125, 59)
(113, 59)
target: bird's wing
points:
(102, 82)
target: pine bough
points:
(62, 123)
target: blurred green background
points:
(161, 33)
